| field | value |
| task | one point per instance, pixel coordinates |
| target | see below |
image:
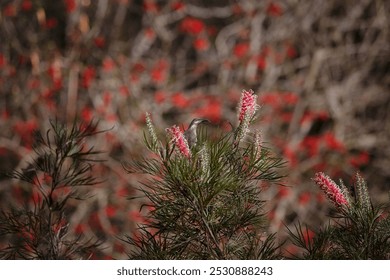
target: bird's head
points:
(195, 122)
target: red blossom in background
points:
(291, 52)
(4, 115)
(178, 138)
(283, 192)
(177, 5)
(286, 117)
(359, 160)
(138, 67)
(25, 130)
(26, 5)
(136, 217)
(212, 110)
(110, 211)
(192, 26)
(150, 33)
(274, 9)
(99, 41)
(88, 75)
(70, 5)
(108, 64)
(272, 99)
(124, 91)
(159, 71)
(33, 84)
(159, 97)
(86, 114)
(311, 144)
(50, 23)
(290, 98)
(201, 44)
(9, 10)
(241, 49)
(55, 74)
(3, 61)
(290, 155)
(331, 189)
(179, 100)
(304, 198)
(261, 62)
(333, 143)
(80, 229)
(150, 6)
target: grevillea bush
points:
(358, 229)
(205, 202)
(59, 172)
(199, 201)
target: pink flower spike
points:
(178, 138)
(247, 106)
(331, 189)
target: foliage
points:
(207, 206)
(359, 231)
(114, 60)
(62, 165)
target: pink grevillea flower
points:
(246, 110)
(178, 138)
(247, 106)
(331, 189)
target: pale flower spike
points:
(345, 192)
(205, 160)
(362, 196)
(258, 143)
(151, 130)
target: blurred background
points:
(321, 69)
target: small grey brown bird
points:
(190, 134)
